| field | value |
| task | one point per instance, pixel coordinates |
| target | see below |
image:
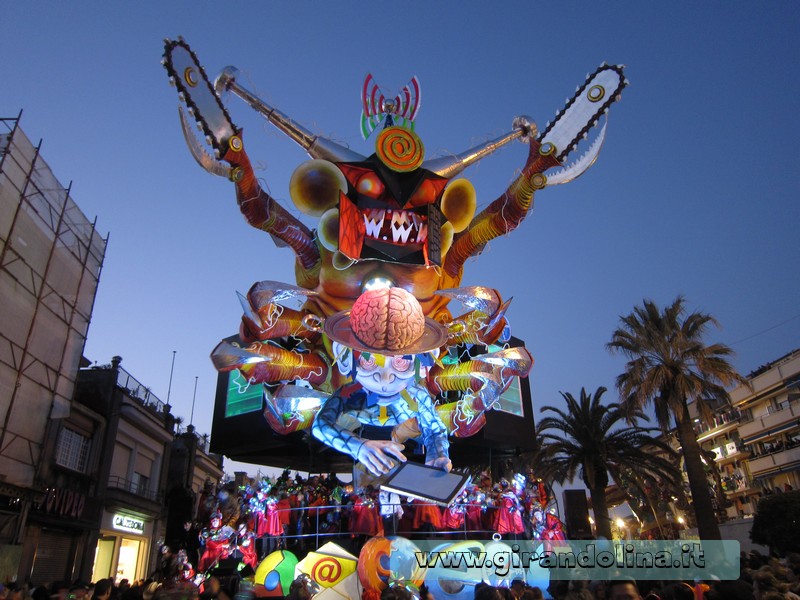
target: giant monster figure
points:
(390, 219)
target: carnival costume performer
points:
(553, 531)
(228, 504)
(508, 514)
(365, 518)
(246, 544)
(185, 569)
(475, 508)
(454, 514)
(257, 509)
(537, 523)
(383, 343)
(427, 516)
(391, 511)
(217, 541)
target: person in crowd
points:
(78, 590)
(40, 593)
(396, 592)
(730, 590)
(102, 589)
(484, 591)
(59, 590)
(425, 593)
(623, 589)
(298, 590)
(534, 593)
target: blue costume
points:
(353, 402)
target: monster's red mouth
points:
(395, 226)
(389, 234)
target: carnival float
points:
(375, 356)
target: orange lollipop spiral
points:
(400, 149)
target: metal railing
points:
(311, 518)
(137, 391)
(138, 489)
(725, 418)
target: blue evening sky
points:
(694, 193)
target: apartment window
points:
(140, 483)
(72, 450)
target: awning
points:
(795, 466)
(745, 492)
(770, 432)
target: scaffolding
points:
(51, 257)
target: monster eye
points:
(426, 193)
(368, 364)
(401, 364)
(370, 185)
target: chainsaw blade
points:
(195, 89)
(590, 102)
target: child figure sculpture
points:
(385, 344)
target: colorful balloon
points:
(275, 573)
(373, 564)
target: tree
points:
(777, 523)
(590, 439)
(669, 365)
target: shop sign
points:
(129, 524)
(64, 503)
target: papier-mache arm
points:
(434, 433)
(326, 429)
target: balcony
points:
(723, 423)
(139, 392)
(729, 457)
(748, 490)
(776, 460)
(767, 379)
(141, 491)
(786, 417)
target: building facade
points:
(84, 452)
(51, 256)
(132, 476)
(751, 448)
(770, 424)
(192, 472)
(755, 444)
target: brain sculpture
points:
(389, 319)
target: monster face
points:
(389, 216)
(388, 207)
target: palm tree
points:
(585, 444)
(669, 366)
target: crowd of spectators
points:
(762, 578)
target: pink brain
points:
(387, 319)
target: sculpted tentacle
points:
(263, 212)
(504, 214)
(269, 363)
(482, 380)
(485, 324)
(265, 319)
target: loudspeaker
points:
(576, 515)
